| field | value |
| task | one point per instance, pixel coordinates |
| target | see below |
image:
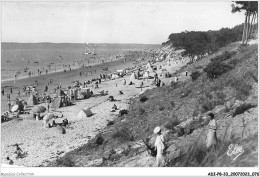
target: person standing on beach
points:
(18, 93)
(9, 106)
(46, 88)
(11, 90)
(212, 136)
(159, 146)
(141, 85)
(3, 92)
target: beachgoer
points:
(18, 151)
(11, 90)
(158, 83)
(9, 105)
(18, 93)
(46, 88)
(3, 92)
(10, 162)
(114, 108)
(141, 85)
(176, 79)
(212, 136)
(186, 73)
(159, 146)
(8, 96)
(65, 122)
(124, 83)
(37, 116)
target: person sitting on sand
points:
(114, 108)
(10, 162)
(3, 117)
(18, 152)
(65, 122)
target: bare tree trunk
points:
(247, 28)
(251, 27)
(244, 30)
(256, 26)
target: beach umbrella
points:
(48, 117)
(38, 109)
(15, 108)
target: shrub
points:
(123, 112)
(99, 140)
(242, 88)
(65, 162)
(126, 150)
(161, 108)
(143, 99)
(216, 69)
(185, 93)
(233, 62)
(207, 106)
(141, 111)
(110, 122)
(252, 74)
(124, 134)
(172, 104)
(195, 75)
(242, 108)
(221, 96)
(224, 56)
(172, 124)
(174, 121)
(199, 153)
(207, 102)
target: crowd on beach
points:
(83, 90)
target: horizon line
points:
(79, 43)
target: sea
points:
(20, 59)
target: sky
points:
(111, 22)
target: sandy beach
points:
(42, 145)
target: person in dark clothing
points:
(46, 88)
(3, 92)
(10, 162)
(18, 151)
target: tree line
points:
(202, 42)
(199, 42)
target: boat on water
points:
(88, 51)
(36, 61)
